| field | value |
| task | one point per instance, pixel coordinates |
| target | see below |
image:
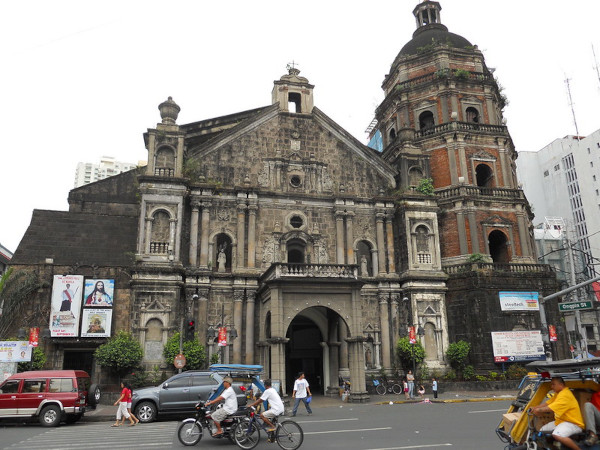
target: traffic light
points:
(190, 330)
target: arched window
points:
(426, 120)
(363, 257)
(296, 250)
(472, 115)
(431, 350)
(161, 231)
(415, 175)
(392, 134)
(153, 341)
(164, 165)
(422, 239)
(484, 175)
(222, 262)
(498, 244)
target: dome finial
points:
(291, 68)
(169, 110)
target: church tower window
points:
(295, 251)
(294, 102)
(426, 120)
(472, 115)
(159, 242)
(484, 175)
(165, 162)
(498, 243)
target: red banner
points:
(412, 335)
(596, 287)
(552, 333)
(34, 337)
(222, 337)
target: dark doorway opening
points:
(304, 354)
(79, 360)
(498, 244)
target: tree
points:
(193, 351)
(457, 355)
(407, 353)
(120, 353)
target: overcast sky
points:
(83, 79)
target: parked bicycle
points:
(387, 387)
(288, 434)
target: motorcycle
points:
(191, 430)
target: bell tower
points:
(293, 92)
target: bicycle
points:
(383, 387)
(288, 434)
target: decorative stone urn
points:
(169, 110)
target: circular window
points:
(296, 221)
(296, 181)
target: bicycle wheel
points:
(246, 435)
(380, 389)
(189, 433)
(397, 389)
(289, 435)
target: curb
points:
(459, 400)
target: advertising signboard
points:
(96, 322)
(222, 339)
(512, 346)
(15, 351)
(519, 301)
(67, 291)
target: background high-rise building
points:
(87, 173)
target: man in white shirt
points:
(229, 407)
(301, 393)
(276, 407)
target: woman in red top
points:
(122, 411)
(129, 394)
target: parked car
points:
(179, 395)
(51, 396)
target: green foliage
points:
(214, 358)
(18, 289)
(426, 186)
(407, 353)
(481, 378)
(492, 376)
(515, 372)
(193, 351)
(462, 74)
(192, 168)
(423, 373)
(5, 277)
(120, 353)
(468, 373)
(475, 258)
(450, 375)
(139, 379)
(457, 354)
(38, 360)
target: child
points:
(421, 390)
(122, 411)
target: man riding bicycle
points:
(276, 407)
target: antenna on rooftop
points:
(596, 64)
(567, 80)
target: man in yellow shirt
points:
(567, 415)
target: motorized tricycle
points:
(190, 431)
(520, 428)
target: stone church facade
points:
(316, 252)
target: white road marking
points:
(413, 446)
(321, 421)
(488, 410)
(347, 431)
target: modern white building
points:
(87, 173)
(563, 180)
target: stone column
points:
(249, 336)
(395, 317)
(374, 262)
(149, 221)
(390, 243)
(194, 235)
(452, 160)
(474, 231)
(241, 226)
(385, 330)
(380, 242)
(238, 303)
(204, 234)
(339, 230)
(252, 235)
(326, 374)
(523, 237)
(358, 391)
(462, 231)
(343, 334)
(172, 234)
(202, 317)
(278, 360)
(349, 240)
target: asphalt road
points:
(461, 426)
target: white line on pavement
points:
(487, 410)
(327, 420)
(347, 431)
(413, 446)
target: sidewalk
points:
(108, 412)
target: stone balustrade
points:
(289, 270)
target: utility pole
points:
(579, 329)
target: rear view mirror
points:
(165, 386)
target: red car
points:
(51, 396)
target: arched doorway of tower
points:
(316, 347)
(498, 244)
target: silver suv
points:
(178, 395)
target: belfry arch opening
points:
(484, 176)
(472, 115)
(426, 120)
(296, 250)
(498, 244)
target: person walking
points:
(434, 387)
(301, 393)
(122, 411)
(129, 394)
(410, 378)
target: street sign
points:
(179, 361)
(574, 306)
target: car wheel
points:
(94, 395)
(146, 412)
(72, 418)
(50, 416)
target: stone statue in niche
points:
(221, 260)
(364, 266)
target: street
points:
(464, 426)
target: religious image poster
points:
(99, 293)
(96, 322)
(67, 291)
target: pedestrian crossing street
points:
(101, 435)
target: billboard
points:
(99, 293)
(96, 322)
(67, 291)
(514, 346)
(15, 351)
(519, 301)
